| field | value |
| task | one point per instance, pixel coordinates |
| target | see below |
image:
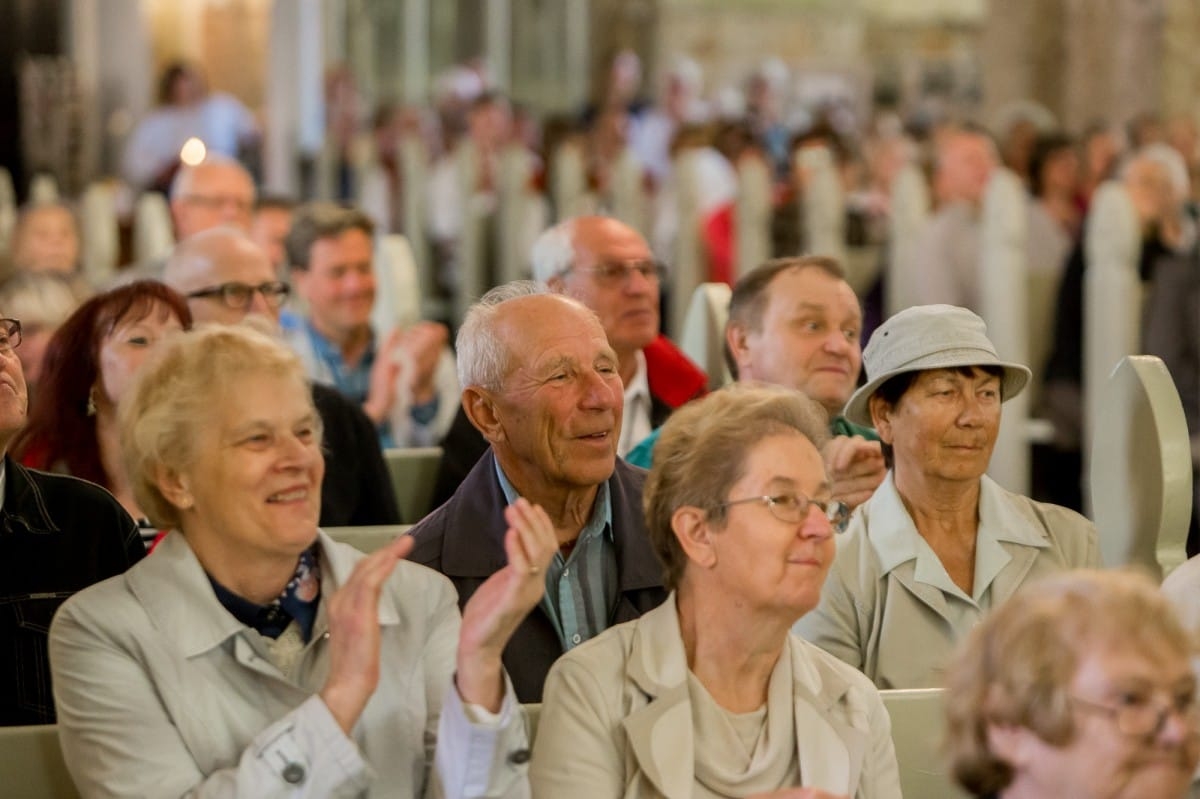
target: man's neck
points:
(627, 366)
(569, 507)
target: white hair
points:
(483, 356)
(1172, 163)
(554, 252)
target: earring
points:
(91, 403)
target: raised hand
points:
(855, 468)
(381, 390)
(422, 344)
(502, 603)
(354, 635)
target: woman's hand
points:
(856, 468)
(354, 635)
(502, 603)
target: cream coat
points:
(162, 692)
(617, 720)
(888, 606)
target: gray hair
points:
(181, 185)
(554, 251)
(482, 355)
(1172, 163)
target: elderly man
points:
(225, 278)
(399, 379)
(541, 384)
(948, 247)
(796, 322)
(608, 267)
(57, 535)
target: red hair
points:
(59, 432)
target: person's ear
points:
(691, 528)
(881, 417)
(174, 486)
(480, 407)
(1012, 744)
(737, 339)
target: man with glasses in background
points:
(58, 535)
(226, 277)
(609, 267)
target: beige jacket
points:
(617, 720)
(162, 692)
(889, 607)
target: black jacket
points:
(357, 489)
(464, 540)
(58, 535)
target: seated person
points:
(402, 378)
(1080, 687)
(939, 543)
(227, 278)
(46, 239)
(42, 301)
(57, 535)
(90, 363)
(251, 655)
(709, 695)
(541, 385)
(796, 322)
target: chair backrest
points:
(368, 538)
(703, 336)
(413, 470)
(153, 236)
(1141, 467)
(917, 724)
(32, 766)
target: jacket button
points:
(294, 773)
(519, 756)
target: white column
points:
(295, 101)
(578, 52)
(416, 50)
(498, 42)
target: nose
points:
(259, 304)
(836, 342)
(1177, 726)
(638, 283)
(816, 523)
(972, 413)
(599, 392)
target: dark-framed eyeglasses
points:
(10, 335)
(239, 296)
(612, 274)
(793, 507)
(1145, 718)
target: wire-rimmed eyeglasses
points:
(793, 508)
(10, 335)
(1145, 719)
(239, 296)
(618, 273)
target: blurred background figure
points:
(42, 301)
(46, 239)
(269, 227)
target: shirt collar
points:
(601, 509)
(297, 602)
(639, 386)
(329, 352)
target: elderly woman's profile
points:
(939, 543)
(709, 695)
(1080, 686)
(251, 655)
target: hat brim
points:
(1013, 382)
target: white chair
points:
(917, 724)
(413, 472)
(1141, 467)
(153, 236)
(368, 538)
(43, 188)
(703, 336)
(824, 206)
(910, 211)
(31, 764)
(101, 233)
(398, 287)
(752, 215)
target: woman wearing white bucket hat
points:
(939, 543)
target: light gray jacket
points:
(162, 692)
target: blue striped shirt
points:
(581, 589)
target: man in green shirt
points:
(796, 322)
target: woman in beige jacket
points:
(709, 695)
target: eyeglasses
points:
(10, 335)
(1143, 718)
(793, 508)
(617, 273)
(239, 296)
(214, 201)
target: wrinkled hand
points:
(799, 793)
(422, 345)
(855, 468)
(354, 635)
(381, 390)
(502, 603)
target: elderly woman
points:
(89, 364)
(709, 695)
(1080, 686)
(253, 656)
(939, 543)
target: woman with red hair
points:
(88, 364)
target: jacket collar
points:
(176, 594)
(23, 501)
(831, 730)
(473, 543)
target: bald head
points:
(218, 191)
(216, 257)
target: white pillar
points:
(578, 38)
(295, 92)
(498, 42)
(416, 50)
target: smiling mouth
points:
(291, 495)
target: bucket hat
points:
(929, 337)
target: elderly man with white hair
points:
(610, 268)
